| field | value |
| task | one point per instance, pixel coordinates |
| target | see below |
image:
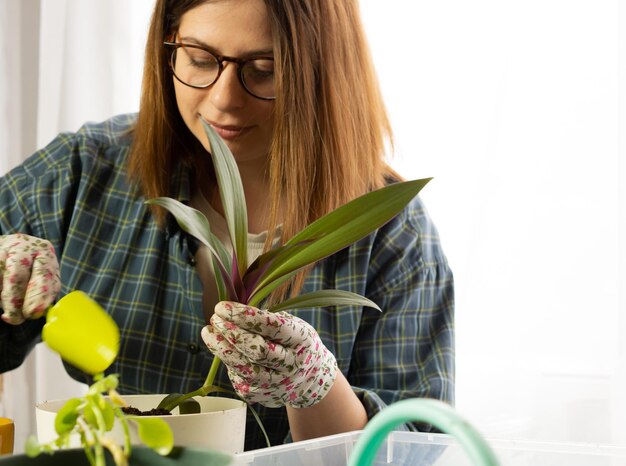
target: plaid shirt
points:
(75, 193)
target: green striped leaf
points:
(196, 224)
(231, 194)
(324, 298)
(339, 229)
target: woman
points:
(290, 87)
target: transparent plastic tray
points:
(419, 449)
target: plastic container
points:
(419, 449)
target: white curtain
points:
(63, 62)
(513, 107)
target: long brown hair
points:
(331, 126)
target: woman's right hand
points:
(29, 273)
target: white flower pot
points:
(220, 425)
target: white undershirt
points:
(256, 241)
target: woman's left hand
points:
(274, 359)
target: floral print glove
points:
(29, 271)
(274, 359)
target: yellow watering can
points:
(82, 333)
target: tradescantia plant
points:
(236, 281)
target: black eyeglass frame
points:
(240, 62)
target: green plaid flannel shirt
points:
(76, 194)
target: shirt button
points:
(192, 261)
(193, 348)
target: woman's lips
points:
(229, 131)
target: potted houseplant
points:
(85, 335)
(236, 281)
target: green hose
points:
(434, 412)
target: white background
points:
(514, 107)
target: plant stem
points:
(208, 386)
(119, 414)
(99, 432)
(215, 365)
(202, 391)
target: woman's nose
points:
(227, 92)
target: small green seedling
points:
(92, 418)
(84, 334)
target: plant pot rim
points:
(53, 406)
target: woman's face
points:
(233, 28)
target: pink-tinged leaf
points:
(264, 261)
(257, 298)
(240, 290)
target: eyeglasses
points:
(197, 67)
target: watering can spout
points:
(82, 333)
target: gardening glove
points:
(29, 273)
(274, 359)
